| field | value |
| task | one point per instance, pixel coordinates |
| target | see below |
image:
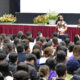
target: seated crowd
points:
(42, 58)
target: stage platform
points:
(47, 30)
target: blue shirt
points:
(21, 57)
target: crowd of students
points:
(43, 58)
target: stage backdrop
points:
(13, 6)
(9, 6)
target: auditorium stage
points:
(47, 30)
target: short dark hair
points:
(22, 66)
(38, 34)
(67, 41)
(63, 48)
(30, 57)
(20, 33)
(4, 68)
(48, 39)
(21, 75)
(42, 39)
(20, 48)
(23, 37)
(36, 46)
(48, 44)
(55, 34)
(28, 33)
(13, 57)
(70, 47)
(26, 46)
(62, 43)
(37, 53)
(50, 62)
(76, 38)
(61, 69)
(60, 56)
(2, 55)
(9, 46)
(16, 41)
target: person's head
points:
(31, 58)
(61, 70)
(21, 75)
(42, 39)
(29, 34)
(61, 18)
(20, 48)
(2, 56)
(19, 34)
(16, 41)
(49, 44)
(37, 38)
(39, 34)
(22, 66)
(36, 46)
(27, 48)
(55, 41)
(44, 71)
(72, 65)
(55, 34)
(23, 37)
(6, 40)
(48, 51)
(4, 69)
(76, 38)
(63, 48)
(37, 53)
(9, 47)
(60, 56)
(70, 47)
(67, 41)
(51, 63)
(13, 58)
(76, 51)
(48, 39)
(62, 43)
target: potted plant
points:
(52, 18)
(8, 18)
(41, 19)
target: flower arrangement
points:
(46, 18)
(53, 15)
(41, 19)
(8, 18)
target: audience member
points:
(44, 72)
(13, 59)
(21, 75)
(61, 71)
